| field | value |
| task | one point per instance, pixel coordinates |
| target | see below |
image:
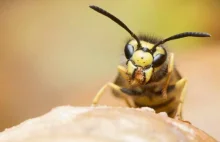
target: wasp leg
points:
(115, 88)
(183, 83)
(169, 72)
(123, 71)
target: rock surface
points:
(103, 124)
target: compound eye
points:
(159, 59)
(129, 50)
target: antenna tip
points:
(92, 6)
(206, 35)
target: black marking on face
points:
(129, 50)
(145, 49)
(159, 60)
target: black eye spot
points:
(159, 59)
(129, 50)
(142, 57)
(143, 62)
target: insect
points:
(148, 77)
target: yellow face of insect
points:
(142, 58)
(142, 61)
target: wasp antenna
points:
(116, 20)
(182, 35)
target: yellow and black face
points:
(141, 61)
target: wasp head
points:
(142, 60)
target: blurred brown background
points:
(61, 52)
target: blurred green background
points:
(61, 53)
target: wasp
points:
(148, 77)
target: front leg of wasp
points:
(169, 72)
(113, 86)
(182, 84)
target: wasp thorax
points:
(142, 58)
